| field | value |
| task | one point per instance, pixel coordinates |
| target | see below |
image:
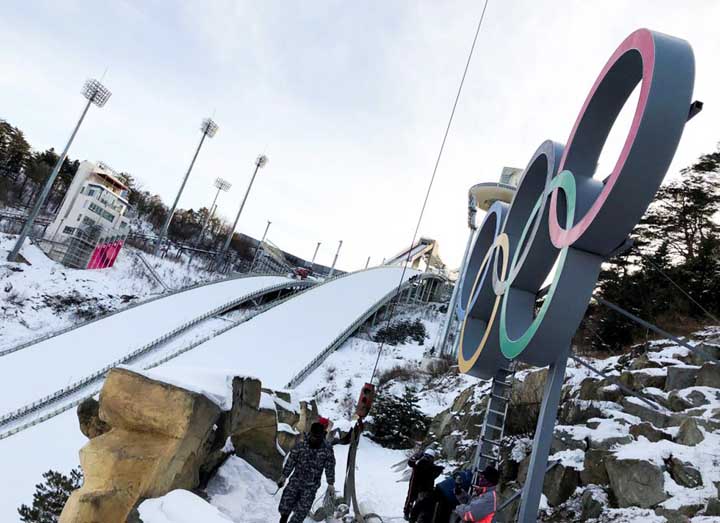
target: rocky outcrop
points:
(636, 482)
(683, 473)
(156, 444)
(709, 375)
(149, 437)
(689, 433)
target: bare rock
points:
(636, 482)
(672, 516)
(563, 440)
(644, 362)
(677, 403)
(689, 433)
(594, 471)
(639, 380)
(683, 473)
(648, 431)
(88, 413)
(577, 412)
(713, 507)
(680, 378)
(592, 503)
(645, 413)
(697, 398)
(560, 483)
(156, 444)
(709, 376)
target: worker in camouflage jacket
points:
(304, 467)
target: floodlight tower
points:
(209, 129)
(221, 185)
(257, 251)
(95, 93)
(260, 162)
(337, 253)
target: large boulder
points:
(592, 503)
(637, 408)
(608, 443)
(564, 440)
(713, 507)
(689, 433)
(683, 473)
(594, 471)
(525, 399)
(88, 413)
(709, 376)
(157, 443)
(559, 484)
(646, 430)
(680, 377)
(639, 380)
(677, 403)
(636, 482)
(577, 412)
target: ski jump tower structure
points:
(562, 218)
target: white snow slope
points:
(279, 343)
(34, 372)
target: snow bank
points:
(180, 506)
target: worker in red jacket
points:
(481, 506)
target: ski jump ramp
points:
(287, 339)
(49, 366)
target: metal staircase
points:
(493, 428)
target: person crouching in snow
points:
(422, 480)
(480, 507)
(306, 463)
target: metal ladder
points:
(493, 428)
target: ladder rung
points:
(496, 412)
(503, 383)
(493, 458)
(494, 427)
(497, 396)
(491, 441)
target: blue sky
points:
(348, 99)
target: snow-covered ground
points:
(46, 296)
(34, 372)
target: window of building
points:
(101, 212)
(88, 221)
(123, 225)
(68, 230)
(79, 216)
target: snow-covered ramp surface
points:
(42, 369)
(279, 343)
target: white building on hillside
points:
(95, 201)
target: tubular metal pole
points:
(337, 253)
(242, 205)
(260, 246)
(211, 211)
(312, 262)
(543, 438)
(169, 217)
(27, 228)
(367, 263)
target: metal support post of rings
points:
(564, 220)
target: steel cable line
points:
(432, 181)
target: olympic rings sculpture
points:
(564, 221)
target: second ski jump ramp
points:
(277, 344)
(48, 366)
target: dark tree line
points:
(23, 173)
(678, 239)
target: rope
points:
(430, 185)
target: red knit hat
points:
(324, 422)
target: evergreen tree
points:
(50, 497)
(398, 422)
